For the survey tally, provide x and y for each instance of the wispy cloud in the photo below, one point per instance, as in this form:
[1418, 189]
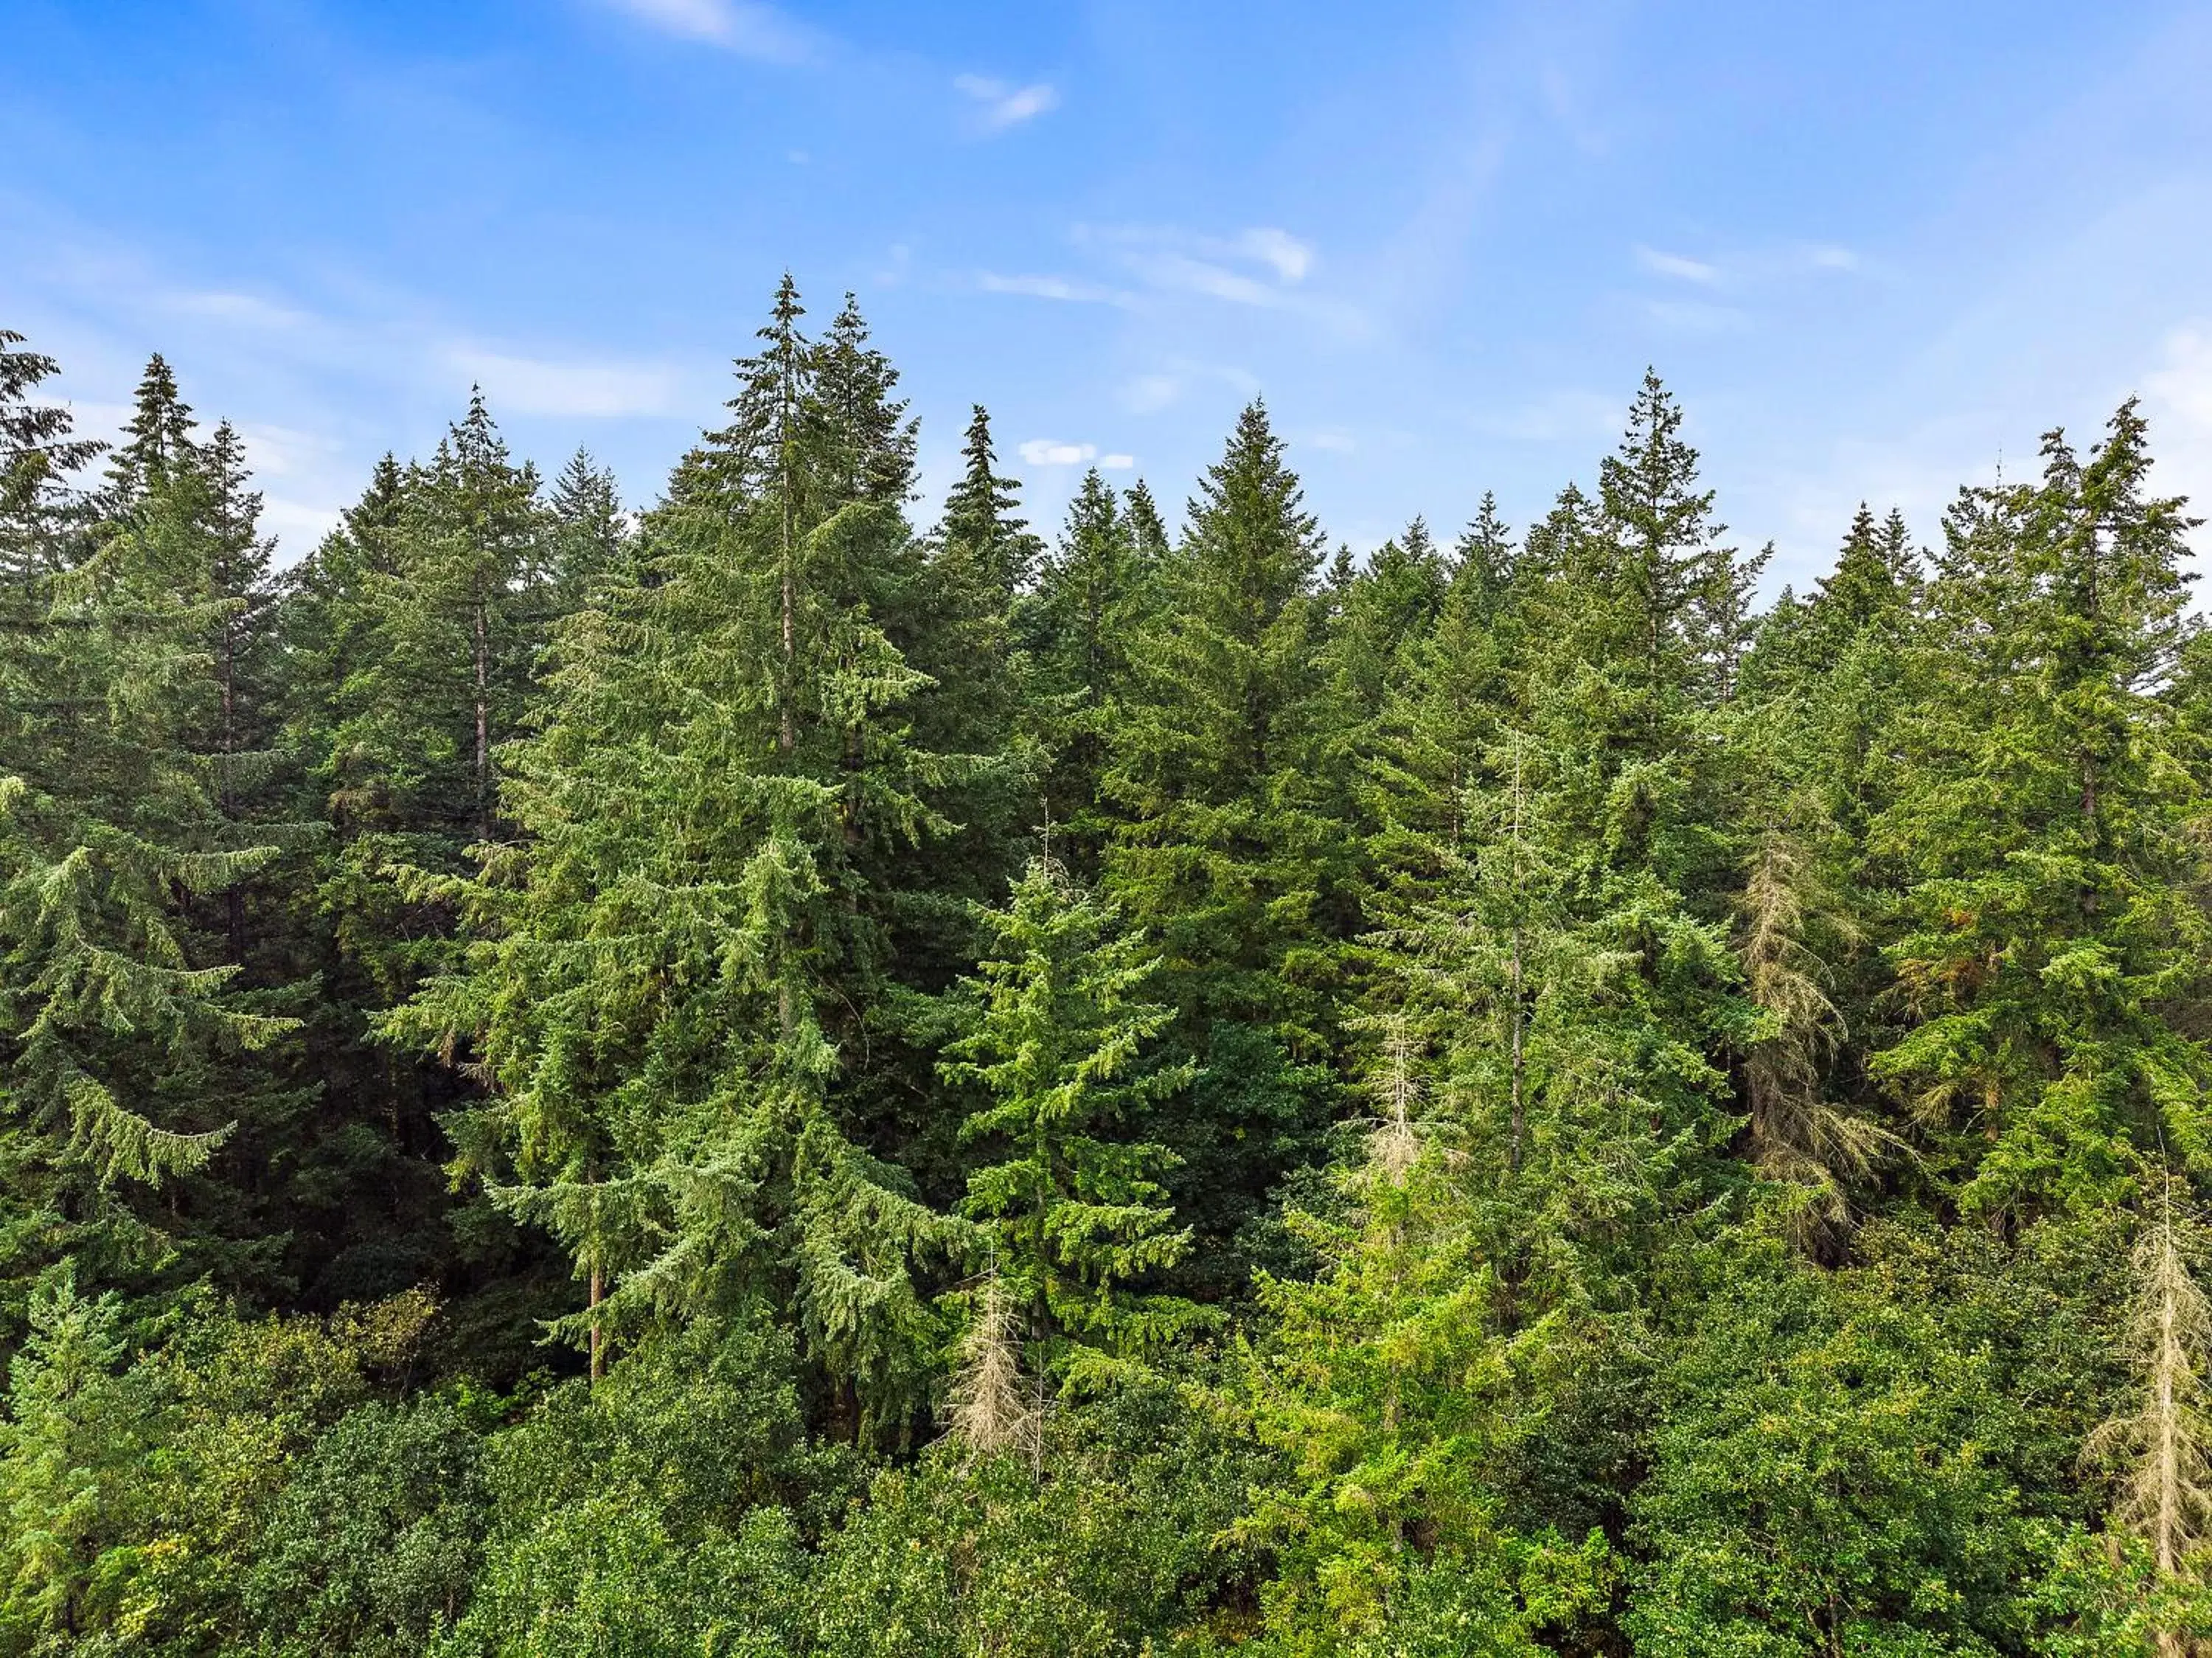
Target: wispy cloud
[598, 390]
[1117, 463]
[1048, 451]
[1000, 104]
[744, 26]
[1162, 388]
[283, 452]
[1676, 265]
[2183, 382]
[1150, 393]
[1743, 267]
[2179, 393]
[1262, 267]
[1290, 257]
[1066, 289]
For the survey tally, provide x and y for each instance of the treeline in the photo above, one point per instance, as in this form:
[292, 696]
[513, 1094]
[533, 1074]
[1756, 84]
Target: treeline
[742, 1078]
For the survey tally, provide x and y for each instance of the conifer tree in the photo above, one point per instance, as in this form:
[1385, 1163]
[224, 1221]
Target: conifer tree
[2040, 818]
[2163, 1447]
[1054, 1034]
[1224, 851]
[1081, 632]
[1383, 614]
[133, 1049]
[589, 530]
[979, 518]
[157, 438]
[667, 977]
[1229, 853]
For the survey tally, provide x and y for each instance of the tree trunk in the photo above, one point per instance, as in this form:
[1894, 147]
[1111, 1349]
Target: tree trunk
[483, 714]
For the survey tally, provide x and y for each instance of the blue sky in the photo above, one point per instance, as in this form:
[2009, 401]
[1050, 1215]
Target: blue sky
[1876, 248]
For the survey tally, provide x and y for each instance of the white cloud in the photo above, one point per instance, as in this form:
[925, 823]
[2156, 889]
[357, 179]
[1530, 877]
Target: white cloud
[1333, 438]
[1258, 267]
[1002, 105]
[592, 390]
[745, 26]
[1676, 266]
[1044, 452]
[1059, 288]
[1117, 463]
[2183, 384]
[2177, 396]
[281, 452]
[1181, 271]
[297, 524]
[1290, 257]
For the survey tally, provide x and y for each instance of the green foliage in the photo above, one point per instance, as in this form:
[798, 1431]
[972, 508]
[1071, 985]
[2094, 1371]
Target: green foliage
[653, 1514]
[1486, 1100]
[1056, 1039]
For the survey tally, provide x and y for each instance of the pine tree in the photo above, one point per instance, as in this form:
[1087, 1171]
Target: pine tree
[1148, 531]
[1224, 852]
[1055, 1035]
[134, 1048]
[1683, 589]
[979, 518]
[1799, 1137]
[590, 530]
[665, 979]
[2039, 820]
[1229, 853]
[1081, 633]
[2164, 1447]
[158, 438]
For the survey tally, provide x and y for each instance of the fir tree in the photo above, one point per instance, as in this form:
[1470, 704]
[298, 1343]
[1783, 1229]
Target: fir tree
[1229, 852]
[2040, 818]
[665, 980]
[1082, 630]
[133, 1048]
[1055, 1035]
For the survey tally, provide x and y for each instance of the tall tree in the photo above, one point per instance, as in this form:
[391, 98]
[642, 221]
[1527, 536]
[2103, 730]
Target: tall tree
[1055, 1034]
[133, 1048]
[2040, 819]
[1229, 852]
[1081, 631]
[667, 977]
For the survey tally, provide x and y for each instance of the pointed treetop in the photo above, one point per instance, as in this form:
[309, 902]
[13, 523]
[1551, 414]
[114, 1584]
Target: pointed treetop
[1876, 572]
[1148, 531]
[980, 512]
[1249, 526]
[158, 436]
[1485, 559]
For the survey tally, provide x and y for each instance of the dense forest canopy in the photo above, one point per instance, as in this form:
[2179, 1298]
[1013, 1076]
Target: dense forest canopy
[751, 1077]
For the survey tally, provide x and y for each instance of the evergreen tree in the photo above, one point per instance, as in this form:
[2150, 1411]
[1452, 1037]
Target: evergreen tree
[134, 1047]
[1083, 629]
[1054, 1034]
[157, 438]
[2039, 819]
[1228, 853]
[590, 530]
[666, 978]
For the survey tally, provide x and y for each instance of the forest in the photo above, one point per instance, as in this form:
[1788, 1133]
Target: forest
[755, 1077]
